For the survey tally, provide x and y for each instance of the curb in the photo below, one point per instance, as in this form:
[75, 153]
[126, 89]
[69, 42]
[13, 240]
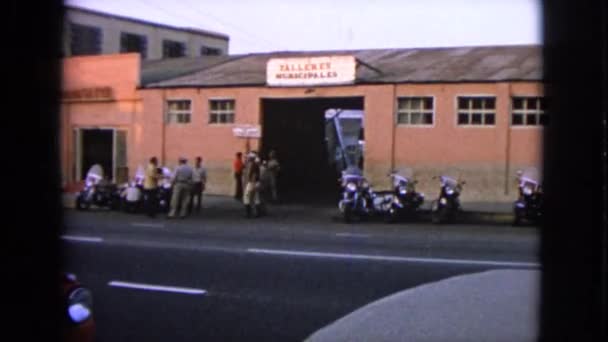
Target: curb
[465, 217]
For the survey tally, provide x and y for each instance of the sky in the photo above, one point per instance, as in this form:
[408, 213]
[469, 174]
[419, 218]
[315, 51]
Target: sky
[305, 25]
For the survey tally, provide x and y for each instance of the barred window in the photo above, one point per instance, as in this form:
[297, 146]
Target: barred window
[210, 51]
[415, 111]
[179, 111]
[477, 111]
[528, 111]
[172, 49]
[85, 40]
[221, 111]
[131, 42]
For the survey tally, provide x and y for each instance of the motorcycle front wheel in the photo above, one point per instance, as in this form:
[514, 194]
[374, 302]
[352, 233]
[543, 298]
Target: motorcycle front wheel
[81, 204]
[347, 214]
[391, 215]
[438, 214]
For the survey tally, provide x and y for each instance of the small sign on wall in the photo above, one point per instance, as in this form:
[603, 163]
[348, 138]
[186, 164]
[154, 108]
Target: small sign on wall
[308, 71]
[88, 94]
[247, 131]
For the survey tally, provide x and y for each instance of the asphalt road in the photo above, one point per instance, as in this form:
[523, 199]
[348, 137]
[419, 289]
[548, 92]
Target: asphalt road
[280, 278]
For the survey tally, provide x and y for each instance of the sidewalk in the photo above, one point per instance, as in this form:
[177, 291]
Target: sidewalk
[501, 212]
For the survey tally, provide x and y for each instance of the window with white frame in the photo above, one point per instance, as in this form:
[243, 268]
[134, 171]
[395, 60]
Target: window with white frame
[528, 111]
[415, 110]
[179, 111]
[476, 111]
[221, 111]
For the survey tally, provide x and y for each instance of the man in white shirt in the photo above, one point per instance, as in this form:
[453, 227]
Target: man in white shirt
[199, 180]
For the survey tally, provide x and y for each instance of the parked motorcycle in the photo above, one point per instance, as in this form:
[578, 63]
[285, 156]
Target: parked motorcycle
[131, 194]
[405, 200]
[528, 207]
[447, 205]
[97, 191]
[356, 195]
[165, 190]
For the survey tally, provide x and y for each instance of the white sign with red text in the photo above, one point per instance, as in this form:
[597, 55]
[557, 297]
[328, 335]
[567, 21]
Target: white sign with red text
[308, 71]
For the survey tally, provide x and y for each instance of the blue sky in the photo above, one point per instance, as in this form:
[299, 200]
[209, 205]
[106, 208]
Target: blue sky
[272, 25]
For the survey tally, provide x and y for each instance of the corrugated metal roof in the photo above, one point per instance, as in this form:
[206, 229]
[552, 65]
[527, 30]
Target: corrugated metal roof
[413, 65]
[169, 68]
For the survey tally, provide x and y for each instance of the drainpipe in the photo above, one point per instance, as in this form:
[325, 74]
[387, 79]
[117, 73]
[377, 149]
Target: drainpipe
[164, 124]
[394, 127]
[508, 147]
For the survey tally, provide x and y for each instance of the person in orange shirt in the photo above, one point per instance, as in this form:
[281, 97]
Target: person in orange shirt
[237, 168]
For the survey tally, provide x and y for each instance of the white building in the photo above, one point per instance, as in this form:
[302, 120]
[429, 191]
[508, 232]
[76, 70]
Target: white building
[88, 32]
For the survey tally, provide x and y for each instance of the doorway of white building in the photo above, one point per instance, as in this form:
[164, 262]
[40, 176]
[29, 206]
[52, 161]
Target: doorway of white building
[103, 146]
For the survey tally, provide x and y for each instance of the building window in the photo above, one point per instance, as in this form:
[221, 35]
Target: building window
[178, 111]
[210, 51]
[172, 49]
[221, 111]
[415, 111]
[131, 42]
[476, 111]
[528, 111]
[85, 40]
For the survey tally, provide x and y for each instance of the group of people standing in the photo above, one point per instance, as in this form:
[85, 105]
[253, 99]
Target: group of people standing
[256, 183]
[255, 180]
[188, 185]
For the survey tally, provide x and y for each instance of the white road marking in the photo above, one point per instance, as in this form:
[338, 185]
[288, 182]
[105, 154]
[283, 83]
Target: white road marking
[151, 225]
[392, 258]
[147, 287]
[353, 235]
[82, 238]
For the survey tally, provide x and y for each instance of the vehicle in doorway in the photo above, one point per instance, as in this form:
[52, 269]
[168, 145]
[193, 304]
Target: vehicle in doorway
[77, 310]
[98, 191]
[447, 205]
[405, 201]
[529, 206]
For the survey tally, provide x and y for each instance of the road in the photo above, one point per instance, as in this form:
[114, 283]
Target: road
[213, 278]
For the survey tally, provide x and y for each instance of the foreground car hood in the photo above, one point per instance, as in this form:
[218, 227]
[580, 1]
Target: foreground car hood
[499, 305]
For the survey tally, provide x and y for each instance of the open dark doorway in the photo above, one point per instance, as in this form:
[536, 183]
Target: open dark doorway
[97, 148]
[296, 130]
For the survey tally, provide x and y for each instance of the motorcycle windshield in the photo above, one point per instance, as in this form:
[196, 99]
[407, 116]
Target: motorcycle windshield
[95, 172]
[167, 172]
[352, 174]
[140, 173]
[403, 176]
[529, 175]
[449, 181]
[353, 171]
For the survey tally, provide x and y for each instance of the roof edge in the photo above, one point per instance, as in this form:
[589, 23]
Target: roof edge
[264, 85]
[146, 22]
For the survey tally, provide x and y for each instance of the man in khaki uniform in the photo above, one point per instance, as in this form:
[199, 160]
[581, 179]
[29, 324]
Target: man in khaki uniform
[182, 188]
[150, 187]
[252, 183]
